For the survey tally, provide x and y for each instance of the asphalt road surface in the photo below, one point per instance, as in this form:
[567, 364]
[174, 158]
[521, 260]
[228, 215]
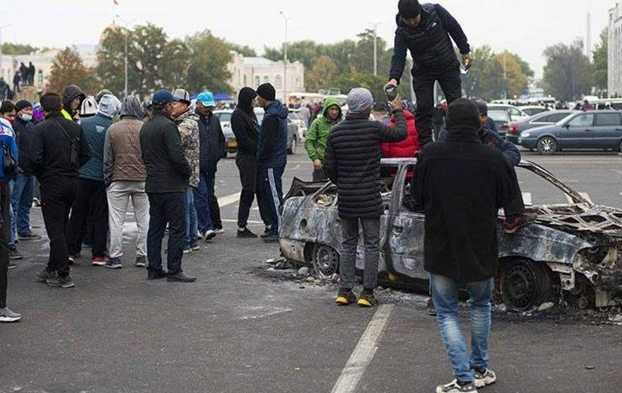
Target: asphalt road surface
[245, 328]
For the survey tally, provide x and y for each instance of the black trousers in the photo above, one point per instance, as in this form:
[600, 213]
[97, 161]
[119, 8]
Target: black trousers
[247, 166]
[214, 211]
[91, 195]
[4, 250]
[168, 207]
[5, 207]
[57, 196]
[423, 84]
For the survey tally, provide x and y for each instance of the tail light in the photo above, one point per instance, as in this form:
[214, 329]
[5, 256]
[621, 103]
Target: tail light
[512, 128]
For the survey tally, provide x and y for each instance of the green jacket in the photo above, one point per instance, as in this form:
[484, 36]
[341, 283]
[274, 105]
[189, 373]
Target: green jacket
[315, 142]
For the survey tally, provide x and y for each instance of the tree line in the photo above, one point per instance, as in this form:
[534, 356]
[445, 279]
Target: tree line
[200, 62]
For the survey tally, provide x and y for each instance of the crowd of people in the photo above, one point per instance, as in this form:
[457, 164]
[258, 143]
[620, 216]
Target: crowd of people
[91, 155]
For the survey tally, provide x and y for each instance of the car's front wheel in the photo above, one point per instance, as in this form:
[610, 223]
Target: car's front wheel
[524, 284]
[547, 145]
[325, 261]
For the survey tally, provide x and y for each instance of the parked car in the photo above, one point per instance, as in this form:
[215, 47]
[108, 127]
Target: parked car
[537, 120]
[501, 119]
[581, 130]
[293, 138]
[302, 125]
[533, 109]
[514, 112]
[224, 115]
[571, 250]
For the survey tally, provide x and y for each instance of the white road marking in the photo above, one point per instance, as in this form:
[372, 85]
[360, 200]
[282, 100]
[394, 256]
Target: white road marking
[618, 172]
[228, 199]
[364, 351]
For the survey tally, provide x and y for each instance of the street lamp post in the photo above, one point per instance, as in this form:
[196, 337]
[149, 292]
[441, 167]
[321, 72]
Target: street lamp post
[125, 65]
[285, 19]
[375, 47]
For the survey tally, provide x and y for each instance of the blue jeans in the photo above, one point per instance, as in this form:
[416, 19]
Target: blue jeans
[21, 201]
[445, 296]
[202, 195]
[166, 208]
[191, 220]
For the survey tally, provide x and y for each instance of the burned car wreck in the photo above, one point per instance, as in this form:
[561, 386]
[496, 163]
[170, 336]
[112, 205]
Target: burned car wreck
[573, 250]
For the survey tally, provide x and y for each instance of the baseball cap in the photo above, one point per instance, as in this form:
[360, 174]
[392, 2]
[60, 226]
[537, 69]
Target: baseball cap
[162, 96]
[181, 95]
[206, 98]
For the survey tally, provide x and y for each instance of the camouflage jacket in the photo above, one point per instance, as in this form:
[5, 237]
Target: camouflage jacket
[189, 131]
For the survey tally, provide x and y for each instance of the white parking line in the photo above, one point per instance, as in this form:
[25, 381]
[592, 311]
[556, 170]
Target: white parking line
[364, 351]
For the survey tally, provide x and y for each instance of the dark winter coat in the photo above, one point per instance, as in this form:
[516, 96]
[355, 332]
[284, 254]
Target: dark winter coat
[51, 149]
[244, 124]
[163, 155]
[24, 131]
[462, 184]
[272, 143]
[211, 143]
[429, 42]
[95, 129]
[352, 162]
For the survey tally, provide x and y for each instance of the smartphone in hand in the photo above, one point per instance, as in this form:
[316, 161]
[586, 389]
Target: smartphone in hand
[391, 92]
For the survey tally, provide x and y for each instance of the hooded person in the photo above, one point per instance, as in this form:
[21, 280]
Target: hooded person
[124, 176]
[88, 107]
[100, 94]
[352, 162]
[72, 99]
[91, 194]
[246, 130]
[271, 158]
[315, 142]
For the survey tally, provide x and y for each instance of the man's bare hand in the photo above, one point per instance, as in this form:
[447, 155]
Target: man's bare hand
[317, 165]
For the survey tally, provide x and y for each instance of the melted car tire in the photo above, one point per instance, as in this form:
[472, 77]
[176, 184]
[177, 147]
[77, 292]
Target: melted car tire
[524, 284]
[325, 261]
[547, 145]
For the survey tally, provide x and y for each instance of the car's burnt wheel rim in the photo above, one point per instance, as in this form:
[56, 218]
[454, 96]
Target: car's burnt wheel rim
[547, 145]
[325, 261]
[524, 284]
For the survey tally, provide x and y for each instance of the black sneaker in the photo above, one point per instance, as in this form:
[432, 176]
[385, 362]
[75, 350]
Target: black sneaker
[141, 261]
[44, 275]
[345, 296]
[12, 264]
[519, 222]
[61, 282]
[209, 234]
[114, 263]
[457, 387]
[14, 254]
[429, 308]
[271, 238]
[484, 377]
[367, 299]
[156, 274]
[180, 277]
[246, 233]
[30, 236]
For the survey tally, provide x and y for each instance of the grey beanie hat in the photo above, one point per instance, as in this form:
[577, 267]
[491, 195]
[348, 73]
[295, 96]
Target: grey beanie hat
[359, 99]
[131, 106]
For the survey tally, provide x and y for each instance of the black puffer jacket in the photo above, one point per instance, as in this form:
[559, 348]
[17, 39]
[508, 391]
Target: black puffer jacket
[352, 162]
[25, 130]
[429, 42]
[163, 155]
[211, 143]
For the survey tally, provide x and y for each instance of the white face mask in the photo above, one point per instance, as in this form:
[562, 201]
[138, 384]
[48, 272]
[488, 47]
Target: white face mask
[26, 117]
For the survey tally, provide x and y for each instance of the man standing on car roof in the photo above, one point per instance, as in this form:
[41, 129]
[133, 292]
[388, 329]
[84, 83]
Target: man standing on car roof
[426, 31]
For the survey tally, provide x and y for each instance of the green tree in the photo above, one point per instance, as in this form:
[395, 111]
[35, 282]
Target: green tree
[67, 69]
[208, 69]
[346, 82]
[567, 71]
[321, 75]
[9, 48]
[153, 61]
[244, 50]
[599, 63]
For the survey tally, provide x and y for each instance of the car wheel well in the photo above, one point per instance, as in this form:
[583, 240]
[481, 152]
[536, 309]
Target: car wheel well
[522, 283]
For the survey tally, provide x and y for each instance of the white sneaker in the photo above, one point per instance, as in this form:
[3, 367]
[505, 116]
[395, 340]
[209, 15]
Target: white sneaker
[219, 231]
[7, 315]
[210, 234]
[486, 378]
[455, 387]
[187, 250]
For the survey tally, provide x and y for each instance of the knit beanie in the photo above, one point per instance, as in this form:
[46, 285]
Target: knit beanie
[359, 99]
[266, 91]
[463, 113]
[409, 8]
[21, 104]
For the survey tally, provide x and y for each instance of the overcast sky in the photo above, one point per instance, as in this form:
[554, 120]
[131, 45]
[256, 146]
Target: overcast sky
[525, 27]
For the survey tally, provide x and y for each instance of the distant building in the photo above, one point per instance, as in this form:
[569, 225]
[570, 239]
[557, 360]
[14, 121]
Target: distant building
[253, 71]
[614, 60]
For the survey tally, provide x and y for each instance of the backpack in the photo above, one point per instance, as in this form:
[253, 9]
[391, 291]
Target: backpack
[8, 161]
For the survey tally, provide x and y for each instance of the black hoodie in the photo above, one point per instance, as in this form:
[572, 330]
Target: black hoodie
[244, 123]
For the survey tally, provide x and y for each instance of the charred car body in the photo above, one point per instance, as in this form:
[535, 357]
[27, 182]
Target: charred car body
[574, 248]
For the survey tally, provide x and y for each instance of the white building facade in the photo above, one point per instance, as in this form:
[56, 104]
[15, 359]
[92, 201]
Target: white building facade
[253, 71]
[614, 60]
